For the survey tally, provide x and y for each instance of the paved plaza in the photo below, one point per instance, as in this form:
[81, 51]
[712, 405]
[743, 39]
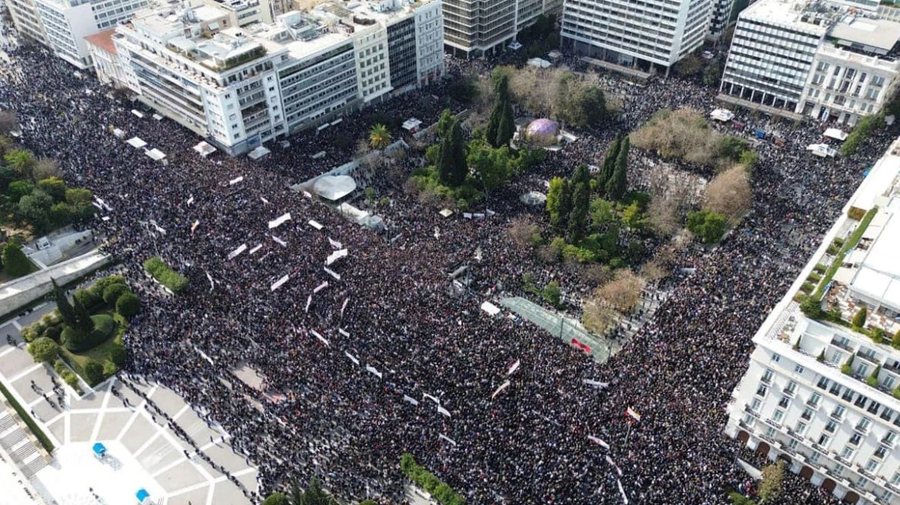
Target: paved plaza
[142, 451]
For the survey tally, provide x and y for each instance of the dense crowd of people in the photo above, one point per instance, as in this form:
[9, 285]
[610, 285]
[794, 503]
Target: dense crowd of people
[384, 360]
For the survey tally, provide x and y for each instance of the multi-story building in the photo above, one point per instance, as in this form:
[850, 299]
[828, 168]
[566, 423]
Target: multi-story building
[650, 34]
[62, 25]
[242, 86]
[828, 61]
[475, 28]
[822, 395]
[719, 19]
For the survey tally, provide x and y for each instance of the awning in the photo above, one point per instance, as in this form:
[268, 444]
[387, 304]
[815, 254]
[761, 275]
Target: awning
[204, 148]
[490, 308]
[136, 142]
[334, 187]
[258, 153]
[155, 154]
[446, 212]
[142, 495]
[835, 133]
[98, 449]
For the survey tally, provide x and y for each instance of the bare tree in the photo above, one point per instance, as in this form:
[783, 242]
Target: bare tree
[683, 134]
[729, 194]
[597, 318]
[522, 232]
[43, 168]
[622, 293]
[8, 121]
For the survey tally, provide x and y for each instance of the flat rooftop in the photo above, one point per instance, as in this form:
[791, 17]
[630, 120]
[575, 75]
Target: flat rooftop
[789, 13]
[878, 275]
[103, 40]
[877, 33]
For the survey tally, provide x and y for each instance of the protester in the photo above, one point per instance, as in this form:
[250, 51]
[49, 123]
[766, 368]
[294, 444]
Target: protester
[384, 360]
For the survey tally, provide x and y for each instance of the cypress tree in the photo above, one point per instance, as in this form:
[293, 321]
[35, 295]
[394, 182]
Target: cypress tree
[62, 303]
[83, 320]
[618, 183]
[501, 106]
[507, 126]
[578, 217]
[565, 205]
[452, 161]
[609, 163]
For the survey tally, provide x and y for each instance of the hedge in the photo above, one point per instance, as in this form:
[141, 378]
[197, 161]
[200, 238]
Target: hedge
[164, 274]
[440, 491]
[850, 243]
[76, 341]
[38, 432]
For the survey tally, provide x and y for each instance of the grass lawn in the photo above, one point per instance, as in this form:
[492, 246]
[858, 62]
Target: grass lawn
[100, 353]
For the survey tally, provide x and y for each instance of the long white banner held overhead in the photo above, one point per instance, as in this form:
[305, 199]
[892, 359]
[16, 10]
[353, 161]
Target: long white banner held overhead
[236, 180]
[500, 389]
[321, 338]
[308, 302]
[352, 358]
[343, 332]
[336, 255]
[373, 371]
[235, 253]
[190, 200]
[334, 243]
[315, 224]
[278, 241]
[515, 366]
[344, 305]
[212, 285]
[257, 248]
[432, 398]
[601, 385]
[448, 439]
[622, 491]
[320, 287]
[264, 200]
[612, 464]
[598, 441]
[280, 220]
[442, 410]
[280, 282]
[332, 273]
[194, 226]
[410, 400]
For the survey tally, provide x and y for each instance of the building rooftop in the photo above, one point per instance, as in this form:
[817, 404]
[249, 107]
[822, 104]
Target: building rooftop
[804, 15]
[878, 275]
[103, 40]
[880, 34]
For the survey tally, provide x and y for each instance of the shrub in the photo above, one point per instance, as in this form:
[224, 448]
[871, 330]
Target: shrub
[112, 293]
[128, 304]
[807, 287]
[53, 332]
[276, 499]
[15, 262]
[43, 350]
[847, 367]
[104, 282]
[440, 491]
[164, 274]
[895, 340]
[73, 338]
[28, 334]
[877, 335]
[59, 366]
[859, 320]
[71, 379]
[872, 380]
[551, 293]
[109, 369]
[89, 298]
[118, 355]
[707, 226]
[93, 372]
[77, 340]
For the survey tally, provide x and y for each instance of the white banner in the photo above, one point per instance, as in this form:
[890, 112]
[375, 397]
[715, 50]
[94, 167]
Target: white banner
[514, 367]
[158, 227]
[343, 332]
[442, 410]
[190, 200]
[410, 400]
[264, 200]
[601, 385]
[307, 194]
[432, 398]
[236, 180]
[315, 224]
[622, 491]
[257, 248]
[235, 253]
[278, 241]
[280, 282]
[352, 358]
[212, 285]
[332, 273]
[344, 305]
[598, 441]
[448, 439]
[320, 337]
[308, 302]
[373, 371]
[280, 220]
[194, 226]
[334, 243]
[336, 255]
[320, 287]
[499, 389]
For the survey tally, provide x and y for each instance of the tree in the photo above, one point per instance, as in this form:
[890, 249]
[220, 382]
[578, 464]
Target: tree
[502, 107]
[44, 168]
[895, 340]
[772, 482]
[622, 293]
[379, 136]
[707, 226]
[507, 126]
[15, 262]
[8, 122]
[17, 189]
[490, 165]
[593, 102]
[559, 202]
[581, 201]
[688, 66]
[93, 372]
[20, 160]
[276, 499]
[83, 321]
[618, 183]
[452, 161]
[859, 319]
[315, 495]
[43, 350]
[53, 186]
[128, 304]
[552, 293]
[63, 305]
[35, 209]
[609, 163]
[729, 194]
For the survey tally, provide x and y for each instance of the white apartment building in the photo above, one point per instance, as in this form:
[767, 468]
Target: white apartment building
[647, 34]
[824, 60]
[478, 27]
[823, 396]
[62, 25]
[242, 86]
[719, 18]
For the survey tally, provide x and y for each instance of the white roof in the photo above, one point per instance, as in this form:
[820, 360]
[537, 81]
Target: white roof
[835, 133]
[879, 274]
[136, 142]
[334, 187]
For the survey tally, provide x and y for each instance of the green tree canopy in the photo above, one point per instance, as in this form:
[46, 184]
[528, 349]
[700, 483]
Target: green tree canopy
[559, 202]
[53, 186]
[618, 183]
[35, 209]
[20, 160]
[15, 262]
[490, 165]
[276, 499]
[609, 163]
[452, 162]
[379, 136]
[43, 350]
[63, 305]
[859, 319]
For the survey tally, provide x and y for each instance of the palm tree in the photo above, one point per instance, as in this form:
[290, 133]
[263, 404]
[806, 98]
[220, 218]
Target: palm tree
[379, 136]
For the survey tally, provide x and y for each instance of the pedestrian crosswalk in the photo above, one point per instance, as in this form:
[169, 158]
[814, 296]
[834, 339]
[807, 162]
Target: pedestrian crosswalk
[15, 442]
